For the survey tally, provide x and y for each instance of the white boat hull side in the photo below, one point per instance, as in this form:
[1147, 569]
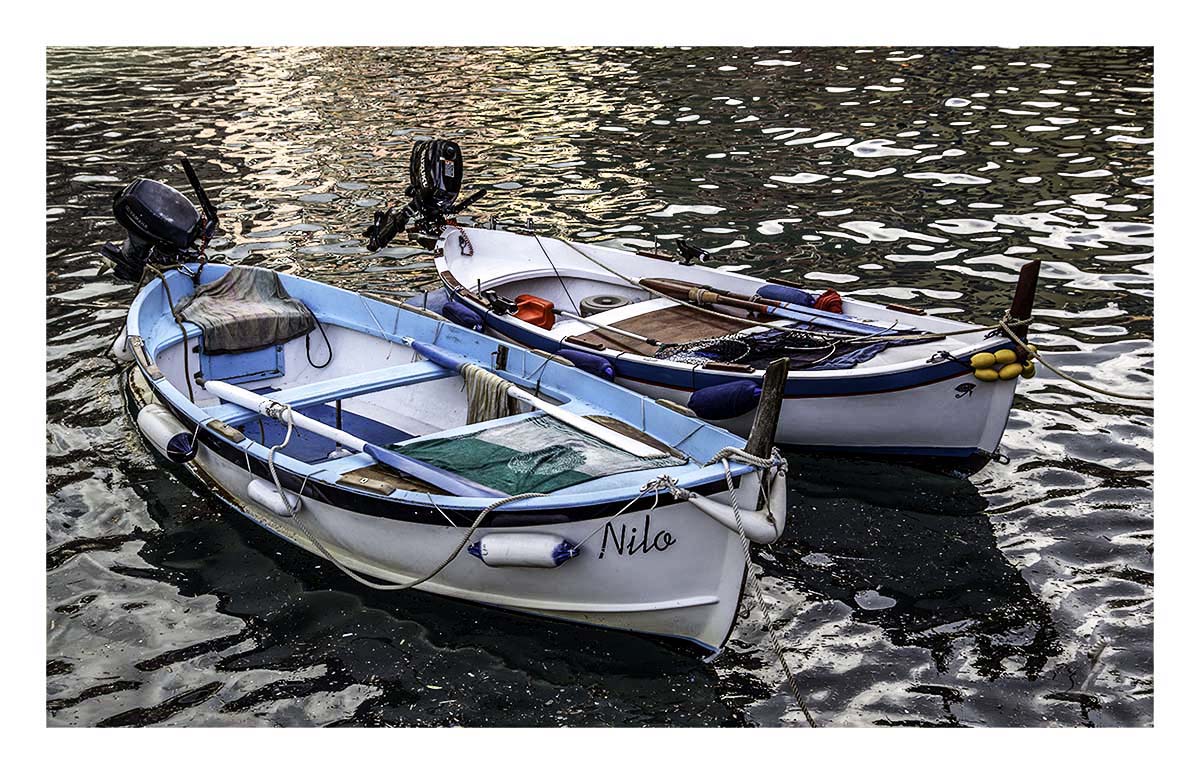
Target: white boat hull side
[942, 419]
[932, 419]
[681, 580]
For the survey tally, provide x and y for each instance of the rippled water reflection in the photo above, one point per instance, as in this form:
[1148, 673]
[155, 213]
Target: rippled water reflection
[1022, 597]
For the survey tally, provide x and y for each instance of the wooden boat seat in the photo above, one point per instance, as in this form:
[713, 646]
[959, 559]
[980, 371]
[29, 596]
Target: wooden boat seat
[338, 388]
[672, 325]
[381, 479]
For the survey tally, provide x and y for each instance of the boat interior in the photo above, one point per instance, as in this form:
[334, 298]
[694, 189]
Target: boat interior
[362, 378]
[649, 316]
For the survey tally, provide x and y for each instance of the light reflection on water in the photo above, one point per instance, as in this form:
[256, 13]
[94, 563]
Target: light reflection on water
[926, 176]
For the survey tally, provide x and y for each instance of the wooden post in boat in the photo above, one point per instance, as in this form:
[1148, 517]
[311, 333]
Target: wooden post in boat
[762, 433]
[1022, 304]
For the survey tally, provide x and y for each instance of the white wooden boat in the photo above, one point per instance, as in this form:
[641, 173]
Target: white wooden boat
[865, 378]
[921, 396]
[355, 439]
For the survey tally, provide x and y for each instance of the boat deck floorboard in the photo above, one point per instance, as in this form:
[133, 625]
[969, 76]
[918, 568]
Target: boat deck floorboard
[673, 325]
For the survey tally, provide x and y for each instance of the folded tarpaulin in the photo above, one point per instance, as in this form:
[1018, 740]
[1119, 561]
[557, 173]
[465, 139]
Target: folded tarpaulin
[246, 309]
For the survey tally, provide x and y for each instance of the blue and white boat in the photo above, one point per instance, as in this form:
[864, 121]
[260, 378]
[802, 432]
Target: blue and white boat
[412, 452]
[882, 379]
[868, 378]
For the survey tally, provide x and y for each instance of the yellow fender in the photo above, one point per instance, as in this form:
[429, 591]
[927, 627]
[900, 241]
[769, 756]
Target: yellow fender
[982, 360]
[987, 374]
[1011, 371]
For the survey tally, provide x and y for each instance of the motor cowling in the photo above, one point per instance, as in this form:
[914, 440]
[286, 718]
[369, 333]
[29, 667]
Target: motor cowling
[161, 224]
[435, 175]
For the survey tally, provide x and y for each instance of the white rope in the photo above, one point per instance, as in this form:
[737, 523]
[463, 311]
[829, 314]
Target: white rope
[1004, 325]
[756, 588]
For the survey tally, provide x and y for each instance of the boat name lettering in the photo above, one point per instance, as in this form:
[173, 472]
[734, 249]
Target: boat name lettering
[626, 540]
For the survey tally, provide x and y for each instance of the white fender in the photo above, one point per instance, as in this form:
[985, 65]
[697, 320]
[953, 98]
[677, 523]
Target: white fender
[120, 346]
[265, 494]
[762, 526]
[165, 433]
[522, 549]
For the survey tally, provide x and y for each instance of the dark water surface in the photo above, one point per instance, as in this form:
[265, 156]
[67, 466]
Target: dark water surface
[927, 176]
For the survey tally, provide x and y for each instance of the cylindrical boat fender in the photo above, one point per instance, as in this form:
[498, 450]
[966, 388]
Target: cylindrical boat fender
[265, 494]
[762, 526]
[166, 434]
[523, 549]
[120, 346]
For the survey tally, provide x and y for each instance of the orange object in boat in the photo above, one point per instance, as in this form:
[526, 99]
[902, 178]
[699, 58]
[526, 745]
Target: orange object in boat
[535, 311]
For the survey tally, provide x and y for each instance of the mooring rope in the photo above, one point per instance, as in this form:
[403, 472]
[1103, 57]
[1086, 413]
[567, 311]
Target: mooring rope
[756, 588]
[1034, 353]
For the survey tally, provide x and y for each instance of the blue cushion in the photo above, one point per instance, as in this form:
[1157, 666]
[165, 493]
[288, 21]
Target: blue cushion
[460, 313]
[725, 401]
[786, 295]
[593, 364]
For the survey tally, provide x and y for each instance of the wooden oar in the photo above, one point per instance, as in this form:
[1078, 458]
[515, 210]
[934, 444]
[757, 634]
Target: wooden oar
[442, 479]
[704, 295]
[448, 359]
[609, 328]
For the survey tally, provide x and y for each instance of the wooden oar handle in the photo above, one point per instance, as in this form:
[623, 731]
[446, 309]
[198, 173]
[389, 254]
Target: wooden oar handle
[698, 294]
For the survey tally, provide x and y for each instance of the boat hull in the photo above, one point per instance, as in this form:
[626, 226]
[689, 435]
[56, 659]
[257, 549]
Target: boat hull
[669, 571]
[938, 413]
[920, 401]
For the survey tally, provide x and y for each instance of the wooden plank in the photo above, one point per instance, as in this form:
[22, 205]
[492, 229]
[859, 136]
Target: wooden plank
[673, 324]
[616, 425]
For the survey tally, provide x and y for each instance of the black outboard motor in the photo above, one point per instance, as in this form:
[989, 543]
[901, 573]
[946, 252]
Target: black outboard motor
[435, 173]
[162, 226]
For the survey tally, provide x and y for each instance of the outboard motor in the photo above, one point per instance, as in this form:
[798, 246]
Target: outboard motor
[162, 226]
[435, 173]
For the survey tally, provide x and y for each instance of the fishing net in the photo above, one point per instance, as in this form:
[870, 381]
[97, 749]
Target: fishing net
[804, 349]
[535, 454]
